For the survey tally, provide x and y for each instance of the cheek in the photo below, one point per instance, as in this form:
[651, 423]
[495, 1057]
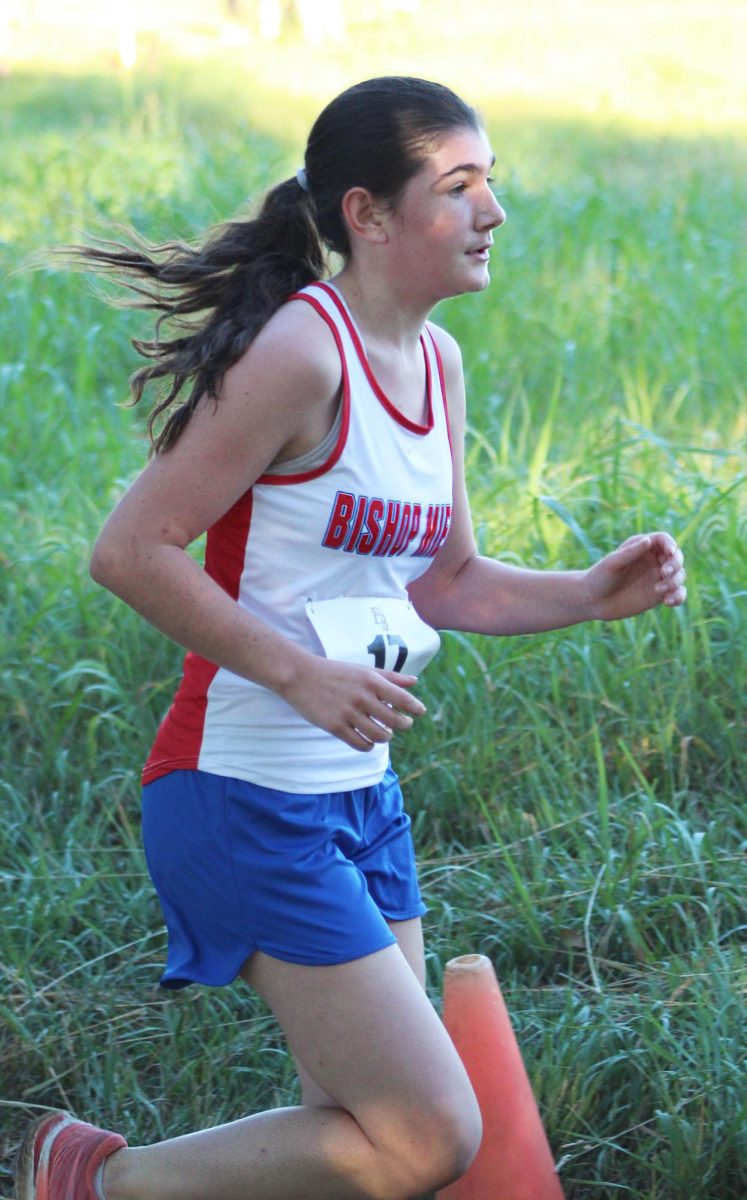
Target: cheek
[427, 228]
[446, 227]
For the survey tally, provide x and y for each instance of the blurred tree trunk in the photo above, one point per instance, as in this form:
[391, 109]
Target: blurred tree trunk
[315, 20]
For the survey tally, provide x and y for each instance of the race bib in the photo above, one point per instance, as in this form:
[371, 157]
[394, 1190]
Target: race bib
[374, 632]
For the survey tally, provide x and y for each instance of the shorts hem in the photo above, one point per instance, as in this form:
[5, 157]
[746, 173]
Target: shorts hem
[335, 960]
[177, 982]
[411, 915]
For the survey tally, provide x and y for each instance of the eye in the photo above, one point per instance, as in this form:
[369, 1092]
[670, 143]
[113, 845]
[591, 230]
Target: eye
[458, 189]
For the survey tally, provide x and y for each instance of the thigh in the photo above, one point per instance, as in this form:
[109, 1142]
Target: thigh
[409, 935]
[367, 1036]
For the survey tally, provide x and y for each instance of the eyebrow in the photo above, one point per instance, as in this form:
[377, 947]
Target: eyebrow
[472, 168]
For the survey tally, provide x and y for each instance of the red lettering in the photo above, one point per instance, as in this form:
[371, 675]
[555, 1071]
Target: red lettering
[339, 521]
[369, 525]
[391, 527]
[409, 529]
[446, 528]
[357, 524]
[438, 522]
[370, 535]
[431, 530]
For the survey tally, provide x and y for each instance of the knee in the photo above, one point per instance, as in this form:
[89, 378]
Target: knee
[434, 1148]
[451, 1145]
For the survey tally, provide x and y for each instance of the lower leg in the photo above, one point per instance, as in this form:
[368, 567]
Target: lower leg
[366, 1036]
[299, 1152]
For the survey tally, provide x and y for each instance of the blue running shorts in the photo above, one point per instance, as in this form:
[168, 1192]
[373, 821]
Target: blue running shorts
[309, 879]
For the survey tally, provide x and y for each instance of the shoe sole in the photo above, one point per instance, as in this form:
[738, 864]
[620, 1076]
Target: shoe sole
[25, 1184]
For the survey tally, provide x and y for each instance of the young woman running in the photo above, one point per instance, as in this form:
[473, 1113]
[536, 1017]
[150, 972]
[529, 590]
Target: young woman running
[321, 447]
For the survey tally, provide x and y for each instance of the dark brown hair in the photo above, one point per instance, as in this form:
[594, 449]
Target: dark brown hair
[218, 295]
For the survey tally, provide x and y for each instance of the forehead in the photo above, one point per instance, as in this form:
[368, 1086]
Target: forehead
[459, 147]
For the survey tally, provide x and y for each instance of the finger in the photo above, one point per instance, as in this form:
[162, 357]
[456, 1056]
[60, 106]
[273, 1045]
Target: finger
[671, 579]
[356, 740]
[676, 598]
[372, 730]
[673, 564]
[392, 718]
[363, 734]
[406, 681]
[664, 545]
[390, 693]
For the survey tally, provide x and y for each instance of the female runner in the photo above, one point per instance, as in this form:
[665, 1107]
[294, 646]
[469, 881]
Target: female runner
[321, 447]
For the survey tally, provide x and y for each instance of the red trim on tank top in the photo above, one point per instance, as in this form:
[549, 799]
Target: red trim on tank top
[339, 446]
[179, 739]
[381, 395]
[442, 380]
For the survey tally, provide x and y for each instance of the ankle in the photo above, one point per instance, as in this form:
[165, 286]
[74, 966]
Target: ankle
[116, 1175]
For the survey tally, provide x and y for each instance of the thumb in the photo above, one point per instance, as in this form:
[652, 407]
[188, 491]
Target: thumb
[629, 552]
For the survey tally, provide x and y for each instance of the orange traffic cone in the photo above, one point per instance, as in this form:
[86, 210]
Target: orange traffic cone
[514, 1161]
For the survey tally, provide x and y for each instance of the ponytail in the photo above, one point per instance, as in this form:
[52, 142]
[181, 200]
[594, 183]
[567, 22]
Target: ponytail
[374, 135]
[219, 294]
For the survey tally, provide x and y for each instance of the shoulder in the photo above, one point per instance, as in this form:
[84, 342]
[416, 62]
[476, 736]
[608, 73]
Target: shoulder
[280, 389]
[289, 370]
[296, 343]
[448, 347]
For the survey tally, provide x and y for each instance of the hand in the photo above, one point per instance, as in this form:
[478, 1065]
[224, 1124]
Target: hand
[359, 705]
[644, 571]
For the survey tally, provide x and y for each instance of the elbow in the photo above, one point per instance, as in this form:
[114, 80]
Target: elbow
[125, 563]
[106, 565]
[99, 566]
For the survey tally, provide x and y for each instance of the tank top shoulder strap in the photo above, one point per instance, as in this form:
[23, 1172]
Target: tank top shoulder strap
[325, 301]
[329, 304]
[440, 397]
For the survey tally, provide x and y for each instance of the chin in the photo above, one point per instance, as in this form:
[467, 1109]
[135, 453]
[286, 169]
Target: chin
[478, 283]
[474, 284]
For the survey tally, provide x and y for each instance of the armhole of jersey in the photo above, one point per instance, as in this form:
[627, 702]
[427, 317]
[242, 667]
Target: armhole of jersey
[339, 446]
[442, 381]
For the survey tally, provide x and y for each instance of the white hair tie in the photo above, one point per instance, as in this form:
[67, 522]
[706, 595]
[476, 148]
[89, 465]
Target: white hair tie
[302, 180]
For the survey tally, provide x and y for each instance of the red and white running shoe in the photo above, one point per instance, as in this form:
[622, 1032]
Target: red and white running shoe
[59, 1158]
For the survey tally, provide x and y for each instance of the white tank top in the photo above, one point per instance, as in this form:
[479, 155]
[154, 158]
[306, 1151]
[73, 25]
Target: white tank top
[366, 522]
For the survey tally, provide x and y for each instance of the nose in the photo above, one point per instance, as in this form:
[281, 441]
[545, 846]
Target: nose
[495, 215]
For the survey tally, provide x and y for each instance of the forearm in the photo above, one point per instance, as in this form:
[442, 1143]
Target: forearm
[358, 705]
[171, 591]
[486, 596]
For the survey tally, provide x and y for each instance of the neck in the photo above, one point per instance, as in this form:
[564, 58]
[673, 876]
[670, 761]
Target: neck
[382, 310]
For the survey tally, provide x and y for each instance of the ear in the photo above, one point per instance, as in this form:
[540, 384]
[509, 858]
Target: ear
[363, 216]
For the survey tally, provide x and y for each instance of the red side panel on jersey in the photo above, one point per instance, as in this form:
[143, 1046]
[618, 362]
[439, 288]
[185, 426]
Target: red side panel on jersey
[179, 738]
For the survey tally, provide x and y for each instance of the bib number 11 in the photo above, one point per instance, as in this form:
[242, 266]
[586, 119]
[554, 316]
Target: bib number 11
[384, 631]
[383, 648]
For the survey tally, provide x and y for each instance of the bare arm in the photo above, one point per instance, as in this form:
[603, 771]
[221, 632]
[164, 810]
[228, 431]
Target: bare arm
[463, 590]
[278, 397]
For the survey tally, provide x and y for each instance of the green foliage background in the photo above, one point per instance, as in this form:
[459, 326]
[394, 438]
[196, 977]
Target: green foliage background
[578, 798]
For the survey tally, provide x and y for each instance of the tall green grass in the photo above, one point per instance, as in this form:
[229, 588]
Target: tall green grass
[578, 798]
